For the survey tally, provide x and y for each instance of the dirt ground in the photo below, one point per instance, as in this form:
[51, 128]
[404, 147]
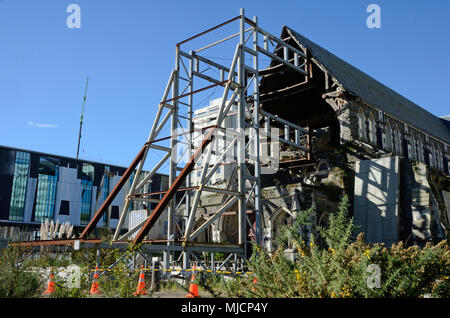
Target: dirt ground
[179, 293]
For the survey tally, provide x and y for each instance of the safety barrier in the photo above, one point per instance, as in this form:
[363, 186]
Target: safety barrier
[95, 288]
[181, 270]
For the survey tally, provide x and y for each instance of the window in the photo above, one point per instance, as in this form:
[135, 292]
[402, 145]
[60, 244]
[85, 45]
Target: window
[432, 156]
[415, 147]
[362, 124]
[438, 158]
[46, 188]
[388, 137]
[412, 149]
[64, 208]
[115, 212]
[420, 150]
[446, 164]
[372, 129]
[19, 186]
[397, 141]
[105, 189]
[87, 178]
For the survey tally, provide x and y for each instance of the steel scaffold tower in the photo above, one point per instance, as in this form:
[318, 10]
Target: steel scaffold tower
[251, 147]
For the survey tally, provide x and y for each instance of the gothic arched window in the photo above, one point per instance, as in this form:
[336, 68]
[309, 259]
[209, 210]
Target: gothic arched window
[388, 137]
[372, 129]
[362, 124]
[397, 141]
[412, 140]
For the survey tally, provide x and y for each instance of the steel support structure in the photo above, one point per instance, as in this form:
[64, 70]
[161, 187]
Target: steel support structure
[246, 144]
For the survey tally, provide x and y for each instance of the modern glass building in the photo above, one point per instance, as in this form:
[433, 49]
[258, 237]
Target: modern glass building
[36, 186]
[19, 186]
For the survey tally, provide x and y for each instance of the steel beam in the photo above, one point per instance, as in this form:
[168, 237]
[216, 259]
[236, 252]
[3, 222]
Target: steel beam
[212, 218]
[172, 190]
[113, 194]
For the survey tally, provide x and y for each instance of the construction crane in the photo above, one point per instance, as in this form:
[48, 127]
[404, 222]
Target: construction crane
[81, 119]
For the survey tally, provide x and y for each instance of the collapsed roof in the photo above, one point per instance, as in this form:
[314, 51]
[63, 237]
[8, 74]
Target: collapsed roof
[371, 91]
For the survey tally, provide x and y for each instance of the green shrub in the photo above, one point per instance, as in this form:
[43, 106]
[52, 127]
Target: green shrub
[119, 282]
[16, 276]
[340, 267]
[62, 285]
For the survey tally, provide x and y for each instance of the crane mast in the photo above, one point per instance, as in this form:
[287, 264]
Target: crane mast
[81, 119]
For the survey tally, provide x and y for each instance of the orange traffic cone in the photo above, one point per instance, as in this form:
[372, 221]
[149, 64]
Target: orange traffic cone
[94, 287]
[51, 284]
[255, 281]
[140, 290]
[193, 288]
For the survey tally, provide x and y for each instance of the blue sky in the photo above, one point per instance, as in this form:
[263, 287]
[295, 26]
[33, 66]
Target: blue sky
[127, 50]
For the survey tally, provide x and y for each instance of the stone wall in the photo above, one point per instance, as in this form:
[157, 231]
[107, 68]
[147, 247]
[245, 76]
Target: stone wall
[376, 198]
[393, 199]
[420, 208]
[348, 120]
[440, 203]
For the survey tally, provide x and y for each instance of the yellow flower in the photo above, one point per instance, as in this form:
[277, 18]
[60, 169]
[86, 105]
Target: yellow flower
[367, 253]
[332, 250]
[333, 295]
[345, 292]
[297, 274]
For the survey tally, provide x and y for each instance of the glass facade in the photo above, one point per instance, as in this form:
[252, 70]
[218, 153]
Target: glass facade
[131, 182]
[46, 188]
[87, 179]
[105, 190]
[19, 187]
[36, 186]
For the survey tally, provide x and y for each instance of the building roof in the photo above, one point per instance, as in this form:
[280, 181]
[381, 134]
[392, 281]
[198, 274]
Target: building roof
[446, 120]
[373, 92]
[65, 157]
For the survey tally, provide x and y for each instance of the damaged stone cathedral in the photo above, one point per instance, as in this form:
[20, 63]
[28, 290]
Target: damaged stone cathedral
[387, 154]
